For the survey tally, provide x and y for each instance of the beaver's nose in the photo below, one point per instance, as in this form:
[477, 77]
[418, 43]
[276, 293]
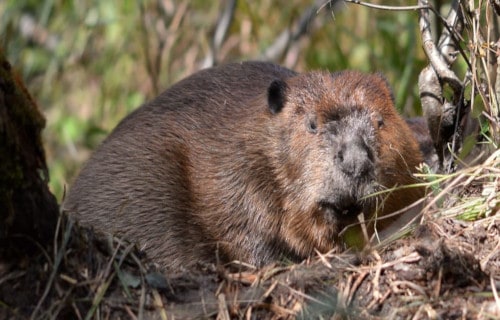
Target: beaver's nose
[355, 157]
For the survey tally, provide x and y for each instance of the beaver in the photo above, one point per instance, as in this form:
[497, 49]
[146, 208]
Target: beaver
[249, 161]
[418, 125]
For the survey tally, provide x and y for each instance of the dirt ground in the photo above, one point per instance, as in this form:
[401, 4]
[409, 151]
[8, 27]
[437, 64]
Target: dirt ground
[445, 267]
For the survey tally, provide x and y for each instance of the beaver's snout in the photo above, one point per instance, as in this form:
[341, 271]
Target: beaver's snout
[355, 158]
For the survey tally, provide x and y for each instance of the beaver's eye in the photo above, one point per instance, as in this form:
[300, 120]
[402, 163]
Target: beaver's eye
[311, 126]
[379, 120]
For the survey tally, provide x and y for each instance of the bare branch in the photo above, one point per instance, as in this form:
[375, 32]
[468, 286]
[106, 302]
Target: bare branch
[291, 35]
[444, 118]
[453, 26]
[443, 56]
[150, 68]
[389, 8]
[220, 33]
[224, 23]
[159, 31]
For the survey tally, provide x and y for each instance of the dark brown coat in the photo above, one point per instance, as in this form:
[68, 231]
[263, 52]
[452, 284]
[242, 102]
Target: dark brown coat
[249, 160]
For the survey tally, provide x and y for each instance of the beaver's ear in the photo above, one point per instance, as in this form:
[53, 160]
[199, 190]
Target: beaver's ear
[276, 95]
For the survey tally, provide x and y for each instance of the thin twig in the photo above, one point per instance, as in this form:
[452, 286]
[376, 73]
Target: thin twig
[57, 262]
[389, 8]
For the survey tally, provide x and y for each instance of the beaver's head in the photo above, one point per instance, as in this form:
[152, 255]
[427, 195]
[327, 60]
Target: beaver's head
[341, 140]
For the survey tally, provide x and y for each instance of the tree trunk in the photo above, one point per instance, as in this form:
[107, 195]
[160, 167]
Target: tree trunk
[28, 211]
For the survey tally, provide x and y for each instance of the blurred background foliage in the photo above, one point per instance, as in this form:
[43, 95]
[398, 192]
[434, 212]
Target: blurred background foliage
[89, 63]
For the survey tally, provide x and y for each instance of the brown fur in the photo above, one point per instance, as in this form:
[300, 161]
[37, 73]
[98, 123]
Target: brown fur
[244, 160]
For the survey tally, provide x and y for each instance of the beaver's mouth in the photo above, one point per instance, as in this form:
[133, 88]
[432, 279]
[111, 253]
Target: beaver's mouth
[341, 211]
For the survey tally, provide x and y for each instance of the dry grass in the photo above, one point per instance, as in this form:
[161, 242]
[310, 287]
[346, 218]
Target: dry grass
[448, 268]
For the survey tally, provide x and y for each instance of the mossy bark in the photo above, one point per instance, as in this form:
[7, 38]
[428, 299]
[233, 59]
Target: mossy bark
[28, 210]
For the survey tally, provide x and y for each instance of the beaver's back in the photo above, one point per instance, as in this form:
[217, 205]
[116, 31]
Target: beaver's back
[138, 182]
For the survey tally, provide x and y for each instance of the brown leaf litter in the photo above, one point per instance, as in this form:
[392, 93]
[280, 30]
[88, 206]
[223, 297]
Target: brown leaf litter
[447, 268]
